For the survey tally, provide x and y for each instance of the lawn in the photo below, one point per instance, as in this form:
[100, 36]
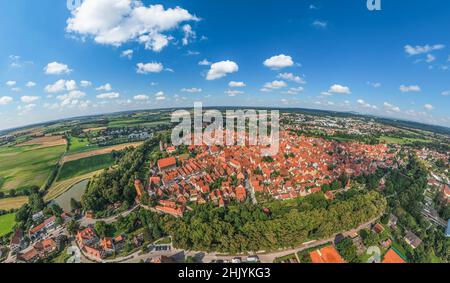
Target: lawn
[25, 166]
[395, 140]
[83, 166]
[7, 223]
[80, 145]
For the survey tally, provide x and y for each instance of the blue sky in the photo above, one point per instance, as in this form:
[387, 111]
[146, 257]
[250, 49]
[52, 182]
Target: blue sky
[113, 55]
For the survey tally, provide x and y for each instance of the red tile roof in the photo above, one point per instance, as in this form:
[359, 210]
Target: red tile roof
[327, 254]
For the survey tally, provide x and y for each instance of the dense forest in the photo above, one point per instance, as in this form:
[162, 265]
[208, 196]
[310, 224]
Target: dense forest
[117, 184]
[251, 228]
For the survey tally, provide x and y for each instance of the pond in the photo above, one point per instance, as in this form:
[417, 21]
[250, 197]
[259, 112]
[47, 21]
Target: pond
[75, 192]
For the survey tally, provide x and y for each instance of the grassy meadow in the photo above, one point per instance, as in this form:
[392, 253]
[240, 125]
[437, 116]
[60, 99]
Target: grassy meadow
[83, 166]
[7, 223]
[25, 166]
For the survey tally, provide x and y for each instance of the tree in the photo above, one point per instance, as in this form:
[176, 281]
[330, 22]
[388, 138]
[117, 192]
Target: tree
[74, 205]
[36, 203]
[347, 250]
[73, 227]
[101, 228]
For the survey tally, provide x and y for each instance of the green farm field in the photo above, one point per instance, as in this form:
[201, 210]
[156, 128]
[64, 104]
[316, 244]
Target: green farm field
[7, 222]
[83, 166]
[78, 145]
[25, 166]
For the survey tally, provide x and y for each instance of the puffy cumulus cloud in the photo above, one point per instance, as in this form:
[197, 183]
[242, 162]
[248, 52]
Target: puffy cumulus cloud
[11, 83]
[204, 62]
[339, 89]
[232, 93]
[61, 85]
[320, 24]
[236, 84]
[291, 77]
[141, 97]
[105, 87]
[160, 96]
[364, 104]
[192, 90]
[279, 62]
[221, 69]
[108, 95]
[390, 107]
[85, 83]
[5, 100]
[151, 67]
[71, 98]
[428, 107]
[29, 99]
[127, 53]
[418, 49]
[30, 84]
[273, 85]
[410, 88]
[188, 34]
[115, 22]
[56, 68]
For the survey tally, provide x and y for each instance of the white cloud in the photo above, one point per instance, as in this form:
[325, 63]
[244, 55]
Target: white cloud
[141, 97]
[5, 100]
[236, 84]
[85, 83]
[430, 58]
[366, 105]
[204, 62]
[446, 93]
[193, 53]
[152, 67]
[294, 90]
[320, 24]
[25, 109]
[192, 90]
[16, 89]
[160, 96]
[375, 85]
[428, 107]
[30, 84]
[291, 77]
[233, 92]
[71, 98]
[105, 87]
[29, 99]
[410, 88]
[391, 108]
[115, 22]
[279, 62]
[61, 85]
[221, 69]
[56, 68]
[127, 53]
[339, 89]
[11, 83]
[108, 95]
[418, 49]
[274, 85]
[188, 34]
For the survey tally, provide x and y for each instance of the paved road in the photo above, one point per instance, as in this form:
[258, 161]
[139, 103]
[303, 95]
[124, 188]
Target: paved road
[86, 222]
